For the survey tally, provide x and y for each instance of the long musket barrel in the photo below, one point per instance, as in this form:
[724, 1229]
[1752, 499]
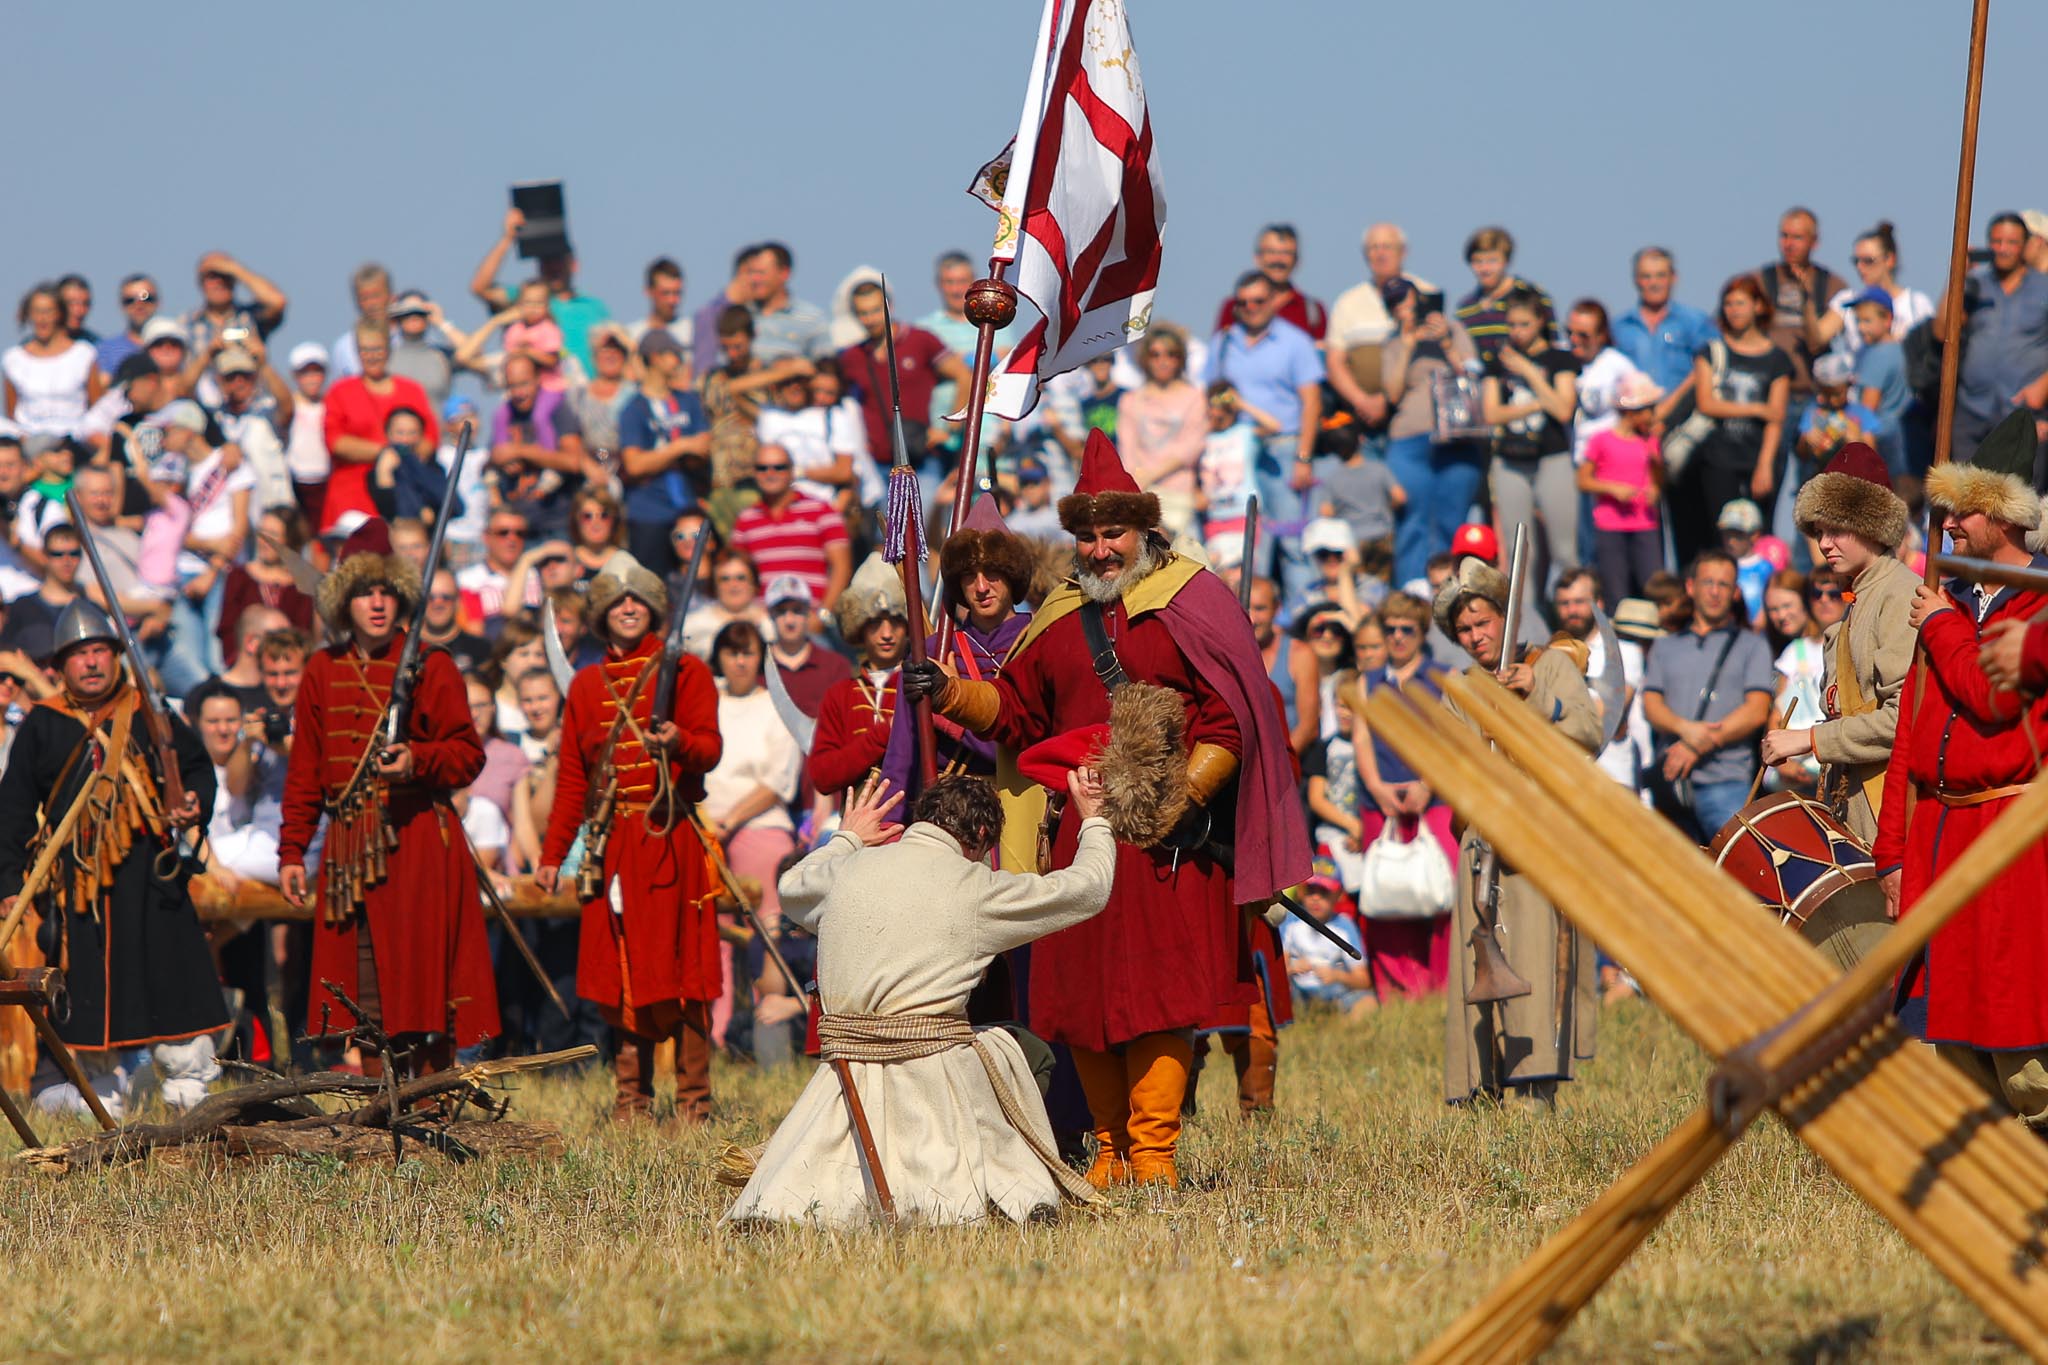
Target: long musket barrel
[1989, 571]
[672, 642]
[398, 721]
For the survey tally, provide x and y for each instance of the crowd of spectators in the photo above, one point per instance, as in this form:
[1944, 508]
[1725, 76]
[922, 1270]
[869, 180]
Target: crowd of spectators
[1651, 452]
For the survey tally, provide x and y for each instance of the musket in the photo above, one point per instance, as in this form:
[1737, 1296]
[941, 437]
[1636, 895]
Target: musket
[1990, 571]
[1493, 979]
[1251, 545]
[910, 567]
[398, 720]
[156, 713]
[672, 650]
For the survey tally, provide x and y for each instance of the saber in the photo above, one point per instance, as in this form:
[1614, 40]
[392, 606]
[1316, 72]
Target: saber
[1244, 562]
[404, 682]
[551, 644]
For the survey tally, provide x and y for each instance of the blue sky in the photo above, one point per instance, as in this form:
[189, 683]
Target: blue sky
[308, 138]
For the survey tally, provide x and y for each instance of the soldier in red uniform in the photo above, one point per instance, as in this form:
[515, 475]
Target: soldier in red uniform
[648, 956]
[400, 926]
[1962, 756]
[855, 718]
[1125, 990]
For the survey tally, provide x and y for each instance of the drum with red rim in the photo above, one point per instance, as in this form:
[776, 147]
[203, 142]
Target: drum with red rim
[1804, 865]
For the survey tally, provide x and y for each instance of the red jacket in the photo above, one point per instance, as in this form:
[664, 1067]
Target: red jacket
[1958, 737]
[663, 945]
[352, 410]
[853, 732]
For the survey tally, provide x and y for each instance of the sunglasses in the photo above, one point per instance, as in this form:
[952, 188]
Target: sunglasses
[444, 597]
[733, 578]
[1329, 554]
[593, 514]
[1400, 628]
[63, 554]
[1328, 628]
[144, 297]
[772, 468]
[683, 537]
[508, 531]
[1866, 260]
[1827, 592]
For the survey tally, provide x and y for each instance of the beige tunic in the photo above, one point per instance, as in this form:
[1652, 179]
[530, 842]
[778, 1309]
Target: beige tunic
[1546, 1034]
[908, 929]
[1854, 749]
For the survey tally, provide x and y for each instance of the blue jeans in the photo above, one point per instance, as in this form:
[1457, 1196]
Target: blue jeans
[1714, 804]
[1441, 482]
[1283, 511]
[190, 645]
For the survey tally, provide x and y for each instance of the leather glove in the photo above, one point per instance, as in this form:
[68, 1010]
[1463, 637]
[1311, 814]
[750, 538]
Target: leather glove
[922, 680]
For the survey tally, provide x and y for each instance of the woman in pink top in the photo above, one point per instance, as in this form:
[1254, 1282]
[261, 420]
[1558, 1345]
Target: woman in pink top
[1162, 425]
[1625, 473]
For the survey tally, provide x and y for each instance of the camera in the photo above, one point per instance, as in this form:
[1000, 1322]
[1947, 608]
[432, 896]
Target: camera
[234, 336]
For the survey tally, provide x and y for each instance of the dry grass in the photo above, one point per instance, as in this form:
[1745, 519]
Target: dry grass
[1353, 1225]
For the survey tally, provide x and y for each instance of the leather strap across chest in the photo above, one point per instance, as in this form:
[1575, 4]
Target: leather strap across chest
[1102, 655]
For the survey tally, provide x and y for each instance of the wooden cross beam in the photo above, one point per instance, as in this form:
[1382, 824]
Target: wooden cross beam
[1926, 1147]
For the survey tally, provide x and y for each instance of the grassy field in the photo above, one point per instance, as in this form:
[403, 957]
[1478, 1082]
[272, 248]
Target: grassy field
[1354, 1224]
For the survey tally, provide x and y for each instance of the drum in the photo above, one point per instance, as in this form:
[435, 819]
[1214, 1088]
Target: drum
[1804, 865]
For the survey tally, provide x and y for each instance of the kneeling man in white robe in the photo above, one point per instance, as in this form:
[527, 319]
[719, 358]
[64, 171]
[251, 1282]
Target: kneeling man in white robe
[905, 931]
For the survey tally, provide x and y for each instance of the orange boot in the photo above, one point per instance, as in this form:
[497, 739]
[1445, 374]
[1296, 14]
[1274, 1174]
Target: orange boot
[1156, 1069]
[1109, 1104]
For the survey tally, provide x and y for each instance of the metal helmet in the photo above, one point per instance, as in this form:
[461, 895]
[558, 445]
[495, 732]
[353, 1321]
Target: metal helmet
[82, 621]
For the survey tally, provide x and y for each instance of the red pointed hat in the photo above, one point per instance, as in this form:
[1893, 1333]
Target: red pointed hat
[373, 537]
[1050, 760]
[1106, 494]
[1854, 493]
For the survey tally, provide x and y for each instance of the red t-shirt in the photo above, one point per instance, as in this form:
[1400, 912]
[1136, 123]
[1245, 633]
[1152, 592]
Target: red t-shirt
[352, 410]
[791, 541]
[1304, 312]
[916, 352]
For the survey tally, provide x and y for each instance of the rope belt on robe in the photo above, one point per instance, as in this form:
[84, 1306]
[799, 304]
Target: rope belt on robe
[886, 1038]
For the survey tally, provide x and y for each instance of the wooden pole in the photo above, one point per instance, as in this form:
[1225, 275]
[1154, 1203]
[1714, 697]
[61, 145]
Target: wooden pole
[991, 306]
[1958, 263]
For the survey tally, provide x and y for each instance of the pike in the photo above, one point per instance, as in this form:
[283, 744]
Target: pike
[1251, 545]
[1494, 981]
[905, 538]
[156, 713]
[398, 719]
[1990, 571]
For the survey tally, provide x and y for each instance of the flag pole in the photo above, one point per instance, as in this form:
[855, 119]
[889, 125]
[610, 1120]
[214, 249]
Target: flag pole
[904, 539]
[991, 305]
[1958, 264]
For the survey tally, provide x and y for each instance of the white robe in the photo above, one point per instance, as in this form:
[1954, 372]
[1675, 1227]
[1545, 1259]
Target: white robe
[909, 929]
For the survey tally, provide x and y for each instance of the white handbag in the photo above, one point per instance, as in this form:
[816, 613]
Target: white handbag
[1406, 878]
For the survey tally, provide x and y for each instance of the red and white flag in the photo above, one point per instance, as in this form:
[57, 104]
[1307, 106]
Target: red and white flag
[1078, 201]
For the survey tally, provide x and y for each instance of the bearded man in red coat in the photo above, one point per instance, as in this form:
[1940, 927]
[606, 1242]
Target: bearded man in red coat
[400, 925]
[648, 955]
[1125, 990]
[1963, 755]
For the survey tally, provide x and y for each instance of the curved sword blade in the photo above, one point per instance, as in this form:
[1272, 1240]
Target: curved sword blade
[800, 726]
[551, 645]
[1612, 684]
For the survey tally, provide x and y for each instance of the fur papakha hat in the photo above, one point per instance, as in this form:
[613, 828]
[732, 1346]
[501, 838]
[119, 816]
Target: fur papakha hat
[1998, 480]
[876, 591]
[1855, 493]
[1106, 494]
[1474, 578]
[365, 560]
[985, 544]
[625, 576]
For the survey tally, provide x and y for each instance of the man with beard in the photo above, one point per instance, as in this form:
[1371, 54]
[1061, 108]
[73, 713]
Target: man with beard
[401, 925]
[1577, 599]
[1966, 751]
[648, 956]
[125, 935]
[1521, 1048]
[855, 718]
[1851, 510]
[1197, 751]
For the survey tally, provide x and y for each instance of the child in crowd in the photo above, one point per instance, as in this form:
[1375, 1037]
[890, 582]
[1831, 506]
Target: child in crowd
[1224, 472]
[532, 332]
[1881, 376]
[1833, 421]
[1758, 557]
[1317, 968]
[1362, 492]
[1624, 471]
[407, 481]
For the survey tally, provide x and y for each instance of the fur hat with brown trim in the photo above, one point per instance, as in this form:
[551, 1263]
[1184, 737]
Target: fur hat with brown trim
[1144, 766]
[985, 544]
[1106, 494]
[625, 576]
[1474, 578]
[876, 591]
[1854, 493]
[365, 561]
[1998, 480]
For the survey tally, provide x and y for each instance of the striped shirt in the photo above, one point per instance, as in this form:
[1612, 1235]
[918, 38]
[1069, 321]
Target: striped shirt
[793, 540]
[1486, 320]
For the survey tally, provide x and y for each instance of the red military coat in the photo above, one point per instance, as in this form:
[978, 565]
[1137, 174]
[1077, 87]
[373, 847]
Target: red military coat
[426, 917]
[1169, 951]
[1980, 976]
[853, 731]
[663, 944]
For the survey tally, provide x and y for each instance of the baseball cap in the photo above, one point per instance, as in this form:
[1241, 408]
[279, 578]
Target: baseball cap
[1224, 551]
[1323, 881]
[235, 360]
[1740, 514]
[308, 353]
[136, 366]
[2036, 221]
[1031, 471]
[183, 414]
[456, 406]
[1326, 533]
[1876, 294]
[1637, 391]
[659, 341]
[1833, 370]
[1476, 538]
[786, 587]
[161, 328]
[411, 304]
